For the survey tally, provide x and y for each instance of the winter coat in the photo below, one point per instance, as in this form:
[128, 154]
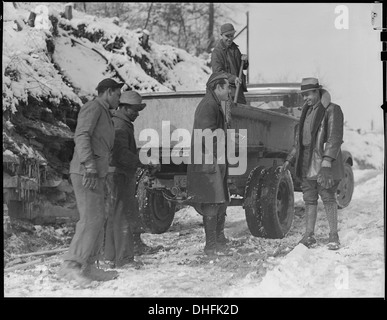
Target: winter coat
[94, 137]
[228, 60]
[327, 137]
[207, 183]
[124, 157]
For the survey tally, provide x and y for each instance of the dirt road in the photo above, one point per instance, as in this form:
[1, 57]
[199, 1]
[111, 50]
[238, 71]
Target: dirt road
[258, 267]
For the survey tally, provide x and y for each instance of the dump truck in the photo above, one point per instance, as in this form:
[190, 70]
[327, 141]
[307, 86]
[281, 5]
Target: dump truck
[270, 120]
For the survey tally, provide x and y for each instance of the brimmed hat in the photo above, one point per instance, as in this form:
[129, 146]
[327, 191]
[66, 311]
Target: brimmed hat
[227, 28]
[132, 99]
[308, 84]
[216, 76]
[109, 83]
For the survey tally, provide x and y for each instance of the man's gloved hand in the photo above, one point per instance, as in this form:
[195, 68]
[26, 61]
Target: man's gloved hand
[325, 176]
[90, 177]
[244, 57]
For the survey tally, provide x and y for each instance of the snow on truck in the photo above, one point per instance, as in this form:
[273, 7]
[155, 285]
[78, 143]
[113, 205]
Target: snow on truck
[270, 119]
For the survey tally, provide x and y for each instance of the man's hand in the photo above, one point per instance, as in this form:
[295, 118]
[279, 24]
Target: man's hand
[238, 81]
[284, 166]
[325, 177]
[244, 57]
[90, 177]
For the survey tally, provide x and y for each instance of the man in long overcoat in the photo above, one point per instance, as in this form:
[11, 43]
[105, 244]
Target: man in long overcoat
[207, 173]
[94, 138]
[317, 158]
[226, 57]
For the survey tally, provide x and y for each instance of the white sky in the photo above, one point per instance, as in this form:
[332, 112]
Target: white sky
[289, 41]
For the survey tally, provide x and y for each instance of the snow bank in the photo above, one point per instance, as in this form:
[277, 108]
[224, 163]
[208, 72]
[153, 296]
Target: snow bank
[319, 272]
[367, 148]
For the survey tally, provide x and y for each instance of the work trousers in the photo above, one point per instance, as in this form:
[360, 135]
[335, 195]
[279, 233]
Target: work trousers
[88, 238]
[122, 203]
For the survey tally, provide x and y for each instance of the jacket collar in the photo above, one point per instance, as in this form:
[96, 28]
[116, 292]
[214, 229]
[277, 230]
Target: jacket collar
[320, 112]
[119, 114]
[224, 47]
[325, 98]
[103, 103]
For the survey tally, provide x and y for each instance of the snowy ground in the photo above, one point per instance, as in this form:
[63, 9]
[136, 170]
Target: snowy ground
[258, 268]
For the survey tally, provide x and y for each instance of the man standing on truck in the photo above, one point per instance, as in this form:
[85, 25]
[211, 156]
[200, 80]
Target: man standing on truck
[207, 180]
[94, 139]
[227, 57]
[123, 225]
[317, 158]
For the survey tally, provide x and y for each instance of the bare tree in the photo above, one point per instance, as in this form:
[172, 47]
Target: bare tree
[149, 15]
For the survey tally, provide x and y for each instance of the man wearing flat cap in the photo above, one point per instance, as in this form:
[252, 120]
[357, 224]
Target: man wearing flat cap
[94, 139]
[121, 183]
[317, 158]
[207, 173]
[226, 57]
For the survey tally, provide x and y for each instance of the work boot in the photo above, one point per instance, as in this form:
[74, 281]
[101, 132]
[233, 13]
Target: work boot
[308, 240]
[129, 263]
[220, 237]
[71, 270]
[310, 221]
[142, 248]
[334, 243]
[210, 231]
[96, 274]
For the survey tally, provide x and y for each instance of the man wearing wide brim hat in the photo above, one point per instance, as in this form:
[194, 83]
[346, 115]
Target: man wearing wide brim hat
[317, 157]
[207, 180]
[121, 184]
[309, 84]
[226, 57]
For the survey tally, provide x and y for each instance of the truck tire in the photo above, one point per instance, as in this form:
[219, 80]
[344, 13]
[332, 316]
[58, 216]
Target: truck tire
[156, 212]
[252, 202]
[346, 187]
[277, 201]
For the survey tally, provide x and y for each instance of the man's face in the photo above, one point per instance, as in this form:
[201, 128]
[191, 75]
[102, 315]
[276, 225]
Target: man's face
[311, 97]
[223, 93]
[114, 98]
[132, 114]
[228, 38]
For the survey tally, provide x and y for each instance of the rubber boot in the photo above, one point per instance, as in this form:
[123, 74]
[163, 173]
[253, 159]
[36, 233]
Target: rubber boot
[331, 212]
[210, 223]
[310, 221]
[220, 237]
[71, 270]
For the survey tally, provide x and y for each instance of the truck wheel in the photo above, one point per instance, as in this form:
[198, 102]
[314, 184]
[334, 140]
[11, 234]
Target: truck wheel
[252, 202]
[156, 212]
[345, 189]
[277, 201]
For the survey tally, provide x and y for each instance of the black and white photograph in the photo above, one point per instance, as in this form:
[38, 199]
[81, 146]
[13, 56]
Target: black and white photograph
[193, 150]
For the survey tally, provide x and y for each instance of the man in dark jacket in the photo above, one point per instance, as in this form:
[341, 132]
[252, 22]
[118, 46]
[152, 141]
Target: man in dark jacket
[207, 173]
[123, 225]
[227, 57]
[317, 157]
[94, 138]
